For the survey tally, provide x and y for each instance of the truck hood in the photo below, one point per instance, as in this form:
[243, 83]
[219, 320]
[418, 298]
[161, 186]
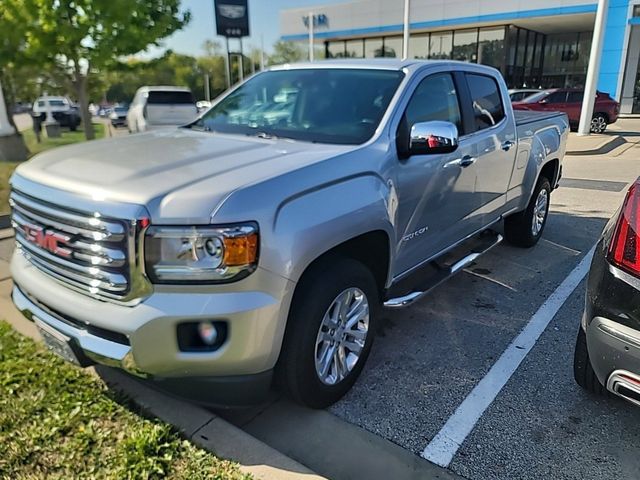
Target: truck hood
[177, 174]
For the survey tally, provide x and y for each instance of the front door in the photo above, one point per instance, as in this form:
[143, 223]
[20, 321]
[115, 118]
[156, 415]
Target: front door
[436, 201]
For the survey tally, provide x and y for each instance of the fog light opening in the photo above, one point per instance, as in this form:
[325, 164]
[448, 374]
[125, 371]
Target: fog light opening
[202, 336]
[208, 333]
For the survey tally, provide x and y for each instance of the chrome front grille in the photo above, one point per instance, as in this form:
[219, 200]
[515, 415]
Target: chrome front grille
[84, 251]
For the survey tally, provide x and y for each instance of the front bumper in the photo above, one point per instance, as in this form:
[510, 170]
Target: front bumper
[142, 339]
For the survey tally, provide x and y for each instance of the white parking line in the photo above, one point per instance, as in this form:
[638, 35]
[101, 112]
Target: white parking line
[448, 440]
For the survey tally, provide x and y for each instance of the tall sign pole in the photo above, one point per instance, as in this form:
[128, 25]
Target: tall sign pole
[232, 21]
[584, 128]
[311, 36]
[405, 36]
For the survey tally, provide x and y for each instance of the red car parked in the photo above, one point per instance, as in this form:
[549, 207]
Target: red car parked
[569, 101]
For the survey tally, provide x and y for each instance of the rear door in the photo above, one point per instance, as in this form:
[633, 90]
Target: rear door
[494, 136]
[436, 201]
[166, 107]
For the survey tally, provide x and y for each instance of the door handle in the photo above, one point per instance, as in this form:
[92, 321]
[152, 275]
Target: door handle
[461, 162]
[506, 146]
[467, 160]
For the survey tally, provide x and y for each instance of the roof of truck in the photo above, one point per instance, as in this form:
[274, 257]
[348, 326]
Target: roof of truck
[372, 63]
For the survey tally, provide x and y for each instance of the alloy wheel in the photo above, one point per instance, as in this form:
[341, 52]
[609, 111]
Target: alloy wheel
[342, 336]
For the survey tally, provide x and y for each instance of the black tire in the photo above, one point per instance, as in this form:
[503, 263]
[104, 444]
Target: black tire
[582, 369]
[518, 227]
[599, 123]
[73, 127]
[296, 371]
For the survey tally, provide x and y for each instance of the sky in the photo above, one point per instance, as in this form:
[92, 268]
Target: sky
[264, 20]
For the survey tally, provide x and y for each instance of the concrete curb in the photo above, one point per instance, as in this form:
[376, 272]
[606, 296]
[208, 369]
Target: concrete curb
[196, 423]
[6, 233]
[606, 146]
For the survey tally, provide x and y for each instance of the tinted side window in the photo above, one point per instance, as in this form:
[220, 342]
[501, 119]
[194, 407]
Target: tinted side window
[487, 101]
[557, 97]
[167, 98]
[575, 97]
[435, 99]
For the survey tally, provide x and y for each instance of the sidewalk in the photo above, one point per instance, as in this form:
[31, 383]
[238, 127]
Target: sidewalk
[625, 130]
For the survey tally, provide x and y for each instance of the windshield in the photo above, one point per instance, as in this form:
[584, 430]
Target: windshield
[536, 97]
[342, 106]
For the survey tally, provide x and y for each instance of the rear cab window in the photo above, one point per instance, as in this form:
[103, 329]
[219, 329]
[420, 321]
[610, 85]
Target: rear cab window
[488, 109]
[159, 97]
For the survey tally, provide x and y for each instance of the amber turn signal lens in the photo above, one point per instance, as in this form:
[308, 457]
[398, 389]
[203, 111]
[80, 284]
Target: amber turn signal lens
[240, 250]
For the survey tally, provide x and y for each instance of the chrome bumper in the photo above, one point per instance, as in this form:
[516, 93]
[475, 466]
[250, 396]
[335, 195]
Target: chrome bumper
[97, 349]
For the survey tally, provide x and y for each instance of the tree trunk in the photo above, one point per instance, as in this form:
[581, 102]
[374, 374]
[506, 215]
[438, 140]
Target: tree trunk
[12, 146]
[81, 89]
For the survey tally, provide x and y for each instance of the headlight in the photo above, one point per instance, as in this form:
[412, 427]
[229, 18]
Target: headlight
[113, 116]
[201, 254]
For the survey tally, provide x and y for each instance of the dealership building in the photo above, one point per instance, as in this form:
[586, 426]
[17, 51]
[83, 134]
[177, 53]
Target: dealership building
[534, 43]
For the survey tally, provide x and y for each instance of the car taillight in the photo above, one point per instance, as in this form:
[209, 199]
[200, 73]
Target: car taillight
[624, 251]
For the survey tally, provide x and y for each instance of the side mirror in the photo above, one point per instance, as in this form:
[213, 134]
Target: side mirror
[543, 101]
[433, 137]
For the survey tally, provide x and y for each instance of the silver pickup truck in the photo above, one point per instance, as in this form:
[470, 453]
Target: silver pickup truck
[259, 244]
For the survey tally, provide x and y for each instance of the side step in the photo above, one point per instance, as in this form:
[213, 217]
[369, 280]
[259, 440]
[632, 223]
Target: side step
[417, 285]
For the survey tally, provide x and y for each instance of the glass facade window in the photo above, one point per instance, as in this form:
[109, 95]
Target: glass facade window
[440, 45]
[465, 45]
[393, 47]
[419, 46]
[373, 48]
[335, 49]
[355, 48]
[566, 57]
[491, 47]
[526, 58]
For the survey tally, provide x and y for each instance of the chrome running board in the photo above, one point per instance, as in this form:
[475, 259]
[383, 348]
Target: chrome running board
[443, 268]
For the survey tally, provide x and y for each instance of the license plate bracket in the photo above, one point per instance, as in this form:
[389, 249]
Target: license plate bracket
[57, 342]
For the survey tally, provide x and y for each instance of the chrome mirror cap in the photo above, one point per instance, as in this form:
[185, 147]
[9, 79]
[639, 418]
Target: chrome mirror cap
[433, 137]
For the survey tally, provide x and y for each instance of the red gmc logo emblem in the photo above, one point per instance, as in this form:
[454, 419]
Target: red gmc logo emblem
[53, 242]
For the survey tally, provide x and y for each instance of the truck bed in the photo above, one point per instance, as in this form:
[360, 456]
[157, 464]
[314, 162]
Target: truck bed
[524, 117]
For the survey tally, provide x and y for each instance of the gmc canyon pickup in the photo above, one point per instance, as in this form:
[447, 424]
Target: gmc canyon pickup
[258, 244]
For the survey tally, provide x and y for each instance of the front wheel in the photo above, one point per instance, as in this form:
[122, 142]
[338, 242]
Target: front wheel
[329, 333]
[525, 228]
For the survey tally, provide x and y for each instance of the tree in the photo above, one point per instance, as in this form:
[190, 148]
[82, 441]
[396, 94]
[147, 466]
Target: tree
[83, 37]
[287, 52]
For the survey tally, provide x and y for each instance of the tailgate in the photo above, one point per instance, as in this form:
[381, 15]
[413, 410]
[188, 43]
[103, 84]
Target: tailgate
[168, 114]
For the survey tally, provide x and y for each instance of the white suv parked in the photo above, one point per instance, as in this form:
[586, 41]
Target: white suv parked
[161, 107]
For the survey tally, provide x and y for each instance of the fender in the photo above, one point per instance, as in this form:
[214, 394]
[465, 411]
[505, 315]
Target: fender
[313, 222]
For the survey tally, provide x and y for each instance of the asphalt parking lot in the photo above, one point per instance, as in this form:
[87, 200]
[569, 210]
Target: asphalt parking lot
[429, 357]
[432, 356]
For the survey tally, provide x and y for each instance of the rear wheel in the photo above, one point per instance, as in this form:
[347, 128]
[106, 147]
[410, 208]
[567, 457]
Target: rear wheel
[582, 369]
[599, 123]
[525, 228]
[329, 333]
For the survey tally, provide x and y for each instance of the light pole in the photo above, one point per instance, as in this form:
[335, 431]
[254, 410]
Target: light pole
[311, 36]
[584, 128]
[405, 39]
